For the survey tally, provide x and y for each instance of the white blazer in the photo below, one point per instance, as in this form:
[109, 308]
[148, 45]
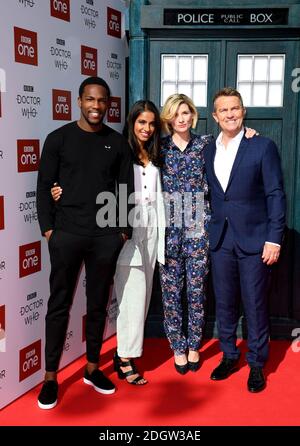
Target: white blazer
[130, 254]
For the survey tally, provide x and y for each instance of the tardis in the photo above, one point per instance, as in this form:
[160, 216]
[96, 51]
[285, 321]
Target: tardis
[197, 47]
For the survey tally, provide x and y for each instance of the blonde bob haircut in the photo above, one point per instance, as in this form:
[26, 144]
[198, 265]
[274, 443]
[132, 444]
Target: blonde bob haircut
[170, 108]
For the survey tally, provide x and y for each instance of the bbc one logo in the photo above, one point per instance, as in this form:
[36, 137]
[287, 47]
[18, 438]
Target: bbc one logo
[89, 61]
[114, 110]
[1, 212]
[28, 155]
[26, 48]
[114, 19]
[30, 360]
[60, 9]
[61, 103]
[29, 259]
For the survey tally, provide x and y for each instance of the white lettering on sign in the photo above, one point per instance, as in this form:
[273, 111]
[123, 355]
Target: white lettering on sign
[261, 18]
[196, 18]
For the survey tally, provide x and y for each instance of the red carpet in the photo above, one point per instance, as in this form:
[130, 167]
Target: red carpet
[170, 399]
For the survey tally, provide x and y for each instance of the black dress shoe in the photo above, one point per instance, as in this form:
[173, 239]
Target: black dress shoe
[224, 369]
[194, 366]
[256, 381]
[182, 369]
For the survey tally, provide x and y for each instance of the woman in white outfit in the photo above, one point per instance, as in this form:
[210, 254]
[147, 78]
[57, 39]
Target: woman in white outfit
[136, 262]
[135, 266]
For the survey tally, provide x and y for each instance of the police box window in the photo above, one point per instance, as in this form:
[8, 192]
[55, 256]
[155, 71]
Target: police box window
[260, 79]
[184, 73]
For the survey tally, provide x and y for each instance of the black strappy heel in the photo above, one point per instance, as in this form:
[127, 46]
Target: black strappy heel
[118, 363]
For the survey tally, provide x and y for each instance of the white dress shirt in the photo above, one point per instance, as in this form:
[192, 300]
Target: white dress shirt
[225, 157]
[145, 180]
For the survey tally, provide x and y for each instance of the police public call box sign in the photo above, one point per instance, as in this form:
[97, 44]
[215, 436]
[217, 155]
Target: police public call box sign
[256, 16]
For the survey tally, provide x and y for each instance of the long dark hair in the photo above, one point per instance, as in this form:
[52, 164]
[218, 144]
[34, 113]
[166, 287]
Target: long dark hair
[153, 144]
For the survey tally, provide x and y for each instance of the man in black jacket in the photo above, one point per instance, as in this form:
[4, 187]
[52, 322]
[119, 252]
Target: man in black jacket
[86, 158]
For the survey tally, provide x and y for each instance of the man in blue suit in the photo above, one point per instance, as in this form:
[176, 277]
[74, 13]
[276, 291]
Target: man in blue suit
[246, 229]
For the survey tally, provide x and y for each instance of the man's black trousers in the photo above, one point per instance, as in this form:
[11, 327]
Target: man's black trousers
[67, 252]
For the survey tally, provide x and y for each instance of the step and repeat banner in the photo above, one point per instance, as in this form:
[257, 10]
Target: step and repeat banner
[47, 47]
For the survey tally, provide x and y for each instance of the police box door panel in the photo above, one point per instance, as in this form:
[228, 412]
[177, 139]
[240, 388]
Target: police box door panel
[190, 67]
[261, 70]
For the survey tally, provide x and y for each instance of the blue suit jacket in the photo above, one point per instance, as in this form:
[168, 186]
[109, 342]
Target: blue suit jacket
[254, 201]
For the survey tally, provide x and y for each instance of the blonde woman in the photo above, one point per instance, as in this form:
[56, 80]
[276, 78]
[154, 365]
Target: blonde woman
[186, 242]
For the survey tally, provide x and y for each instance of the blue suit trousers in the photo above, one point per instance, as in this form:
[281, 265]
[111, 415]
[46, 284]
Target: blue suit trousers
[237, 273]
